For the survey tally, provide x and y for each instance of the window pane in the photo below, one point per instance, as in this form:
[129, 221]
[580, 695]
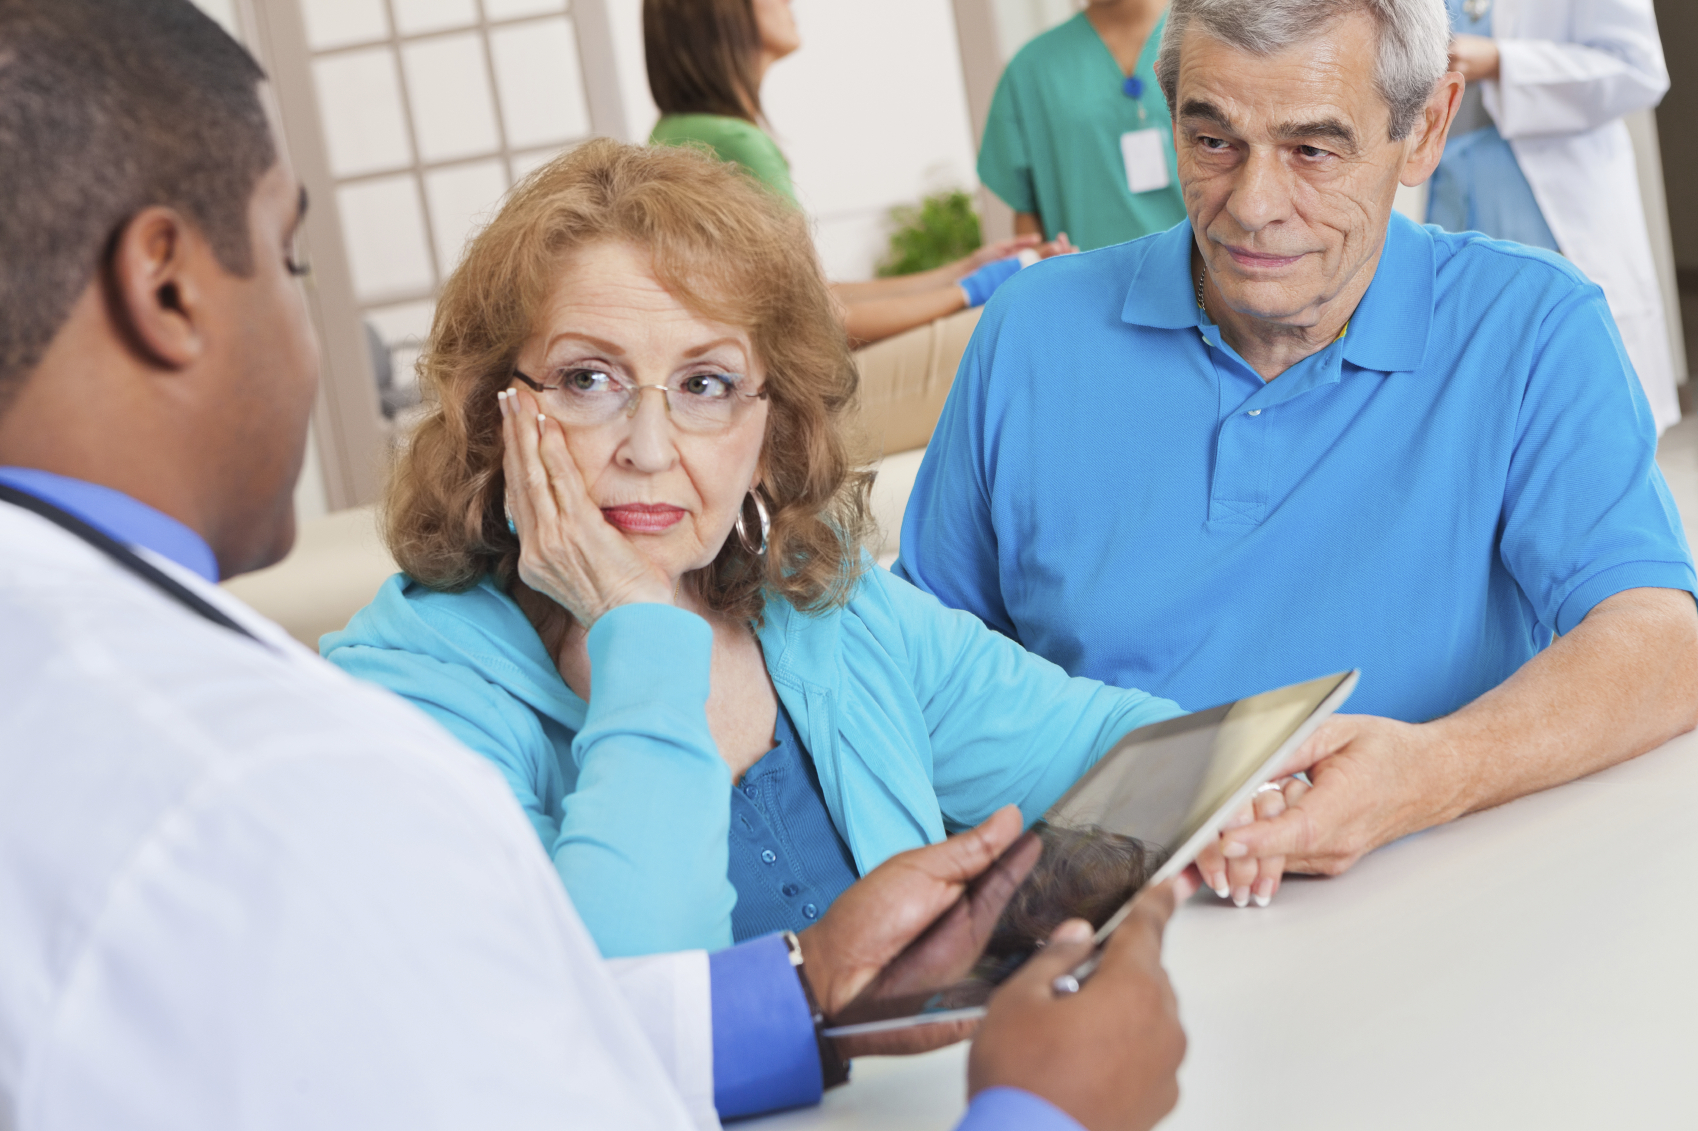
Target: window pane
[542, 93]
[406, 324]
[415, 16]
[449, 87]
[343, 23]
[525, 163]
[383, 227]
[512, 9]
[462, 200]
[222, 11]
[359, 97]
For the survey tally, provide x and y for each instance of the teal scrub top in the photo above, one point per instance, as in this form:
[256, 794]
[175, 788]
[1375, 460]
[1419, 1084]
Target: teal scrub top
[1052, 140]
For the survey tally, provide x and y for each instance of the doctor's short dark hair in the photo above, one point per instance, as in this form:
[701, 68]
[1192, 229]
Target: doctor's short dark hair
[108, 107]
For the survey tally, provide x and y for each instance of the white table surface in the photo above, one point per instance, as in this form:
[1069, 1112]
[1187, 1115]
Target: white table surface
[1534, 966]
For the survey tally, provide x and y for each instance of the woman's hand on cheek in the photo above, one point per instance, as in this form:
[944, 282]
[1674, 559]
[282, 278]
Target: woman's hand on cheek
[567, 550]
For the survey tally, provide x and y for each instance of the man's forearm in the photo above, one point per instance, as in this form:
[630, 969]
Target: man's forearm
[1623, 682]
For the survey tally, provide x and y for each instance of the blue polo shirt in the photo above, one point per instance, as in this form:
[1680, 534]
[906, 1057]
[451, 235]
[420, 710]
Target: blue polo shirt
[1468, 468]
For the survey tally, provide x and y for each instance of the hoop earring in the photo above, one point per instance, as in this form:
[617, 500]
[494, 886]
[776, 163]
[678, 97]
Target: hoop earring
[743, 525]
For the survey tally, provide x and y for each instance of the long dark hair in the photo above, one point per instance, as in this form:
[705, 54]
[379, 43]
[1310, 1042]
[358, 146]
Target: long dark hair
[701, 57]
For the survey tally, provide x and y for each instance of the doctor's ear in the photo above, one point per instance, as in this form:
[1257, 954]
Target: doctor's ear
[156, 287]
[1431, 129]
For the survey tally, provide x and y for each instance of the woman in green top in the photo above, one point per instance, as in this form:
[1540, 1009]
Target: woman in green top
[1078, 140]
[706, 60]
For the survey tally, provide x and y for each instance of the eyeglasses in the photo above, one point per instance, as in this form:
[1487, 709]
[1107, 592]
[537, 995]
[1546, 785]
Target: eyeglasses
[698, 402]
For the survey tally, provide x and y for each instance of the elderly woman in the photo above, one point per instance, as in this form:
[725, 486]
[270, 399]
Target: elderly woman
[633, 510]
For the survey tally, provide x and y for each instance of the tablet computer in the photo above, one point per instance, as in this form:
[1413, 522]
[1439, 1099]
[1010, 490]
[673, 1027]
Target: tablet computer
[1137, 817]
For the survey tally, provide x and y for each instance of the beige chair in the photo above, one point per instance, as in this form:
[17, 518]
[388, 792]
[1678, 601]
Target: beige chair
[339, 560]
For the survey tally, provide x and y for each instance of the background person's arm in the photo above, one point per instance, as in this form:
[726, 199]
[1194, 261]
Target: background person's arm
[883, 308]
[1612, 64]
[873, 320]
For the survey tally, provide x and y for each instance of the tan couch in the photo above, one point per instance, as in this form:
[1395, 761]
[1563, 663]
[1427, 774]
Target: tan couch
[339, 560]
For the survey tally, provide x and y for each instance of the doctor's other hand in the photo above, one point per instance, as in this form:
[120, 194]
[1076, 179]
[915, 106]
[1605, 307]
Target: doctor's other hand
[1107, 1055]
[904, 927]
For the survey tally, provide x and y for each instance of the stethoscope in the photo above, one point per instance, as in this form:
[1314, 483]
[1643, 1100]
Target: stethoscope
[125, 557]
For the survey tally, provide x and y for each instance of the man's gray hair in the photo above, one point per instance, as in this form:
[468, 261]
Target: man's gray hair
[1414, 41]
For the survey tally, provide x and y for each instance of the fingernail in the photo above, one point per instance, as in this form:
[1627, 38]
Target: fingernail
[1232, 850]
[1221, 887]
[1241, 897]
[1264, 893]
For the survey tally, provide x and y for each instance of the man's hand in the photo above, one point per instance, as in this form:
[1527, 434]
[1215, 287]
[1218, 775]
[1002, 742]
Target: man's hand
[1107, 1055]
[1374, 780]
[892, 926]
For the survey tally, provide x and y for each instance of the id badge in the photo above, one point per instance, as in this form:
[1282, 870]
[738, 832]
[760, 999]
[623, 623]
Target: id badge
[1146, 160]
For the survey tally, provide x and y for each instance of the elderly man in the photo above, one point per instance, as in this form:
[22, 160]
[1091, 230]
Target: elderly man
[1300, 433]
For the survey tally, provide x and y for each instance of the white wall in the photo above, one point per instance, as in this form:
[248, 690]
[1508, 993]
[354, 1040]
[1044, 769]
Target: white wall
[871, 112]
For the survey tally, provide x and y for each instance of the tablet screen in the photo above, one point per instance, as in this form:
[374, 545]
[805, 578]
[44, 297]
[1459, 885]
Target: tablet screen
[1158, 792]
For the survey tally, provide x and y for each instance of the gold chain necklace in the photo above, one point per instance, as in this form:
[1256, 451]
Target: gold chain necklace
[1200, 276]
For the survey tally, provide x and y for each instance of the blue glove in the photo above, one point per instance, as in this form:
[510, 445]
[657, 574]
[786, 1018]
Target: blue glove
[981, 284]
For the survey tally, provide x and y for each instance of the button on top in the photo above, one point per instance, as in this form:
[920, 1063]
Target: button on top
[790, 889]
[810, 911]
[1254, 412]
[750, 790]
[768, 855]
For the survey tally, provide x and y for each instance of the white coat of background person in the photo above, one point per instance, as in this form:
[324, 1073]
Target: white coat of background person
[1558, 76]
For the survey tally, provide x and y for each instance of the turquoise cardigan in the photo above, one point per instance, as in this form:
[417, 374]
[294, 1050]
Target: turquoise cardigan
[920, 720]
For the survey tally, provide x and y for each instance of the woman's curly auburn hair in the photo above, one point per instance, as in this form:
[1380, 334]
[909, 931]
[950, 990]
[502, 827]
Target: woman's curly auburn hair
[725, 247]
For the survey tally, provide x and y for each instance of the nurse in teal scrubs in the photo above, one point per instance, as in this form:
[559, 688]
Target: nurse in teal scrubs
[1078, 139]
[1478, 186]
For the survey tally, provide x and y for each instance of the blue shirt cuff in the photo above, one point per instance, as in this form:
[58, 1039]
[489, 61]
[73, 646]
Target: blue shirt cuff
[1618, 579]
[764, 1054]
[1013, 1109]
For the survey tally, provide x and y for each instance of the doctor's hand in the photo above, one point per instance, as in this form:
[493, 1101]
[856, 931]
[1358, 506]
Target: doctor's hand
[1374, 780]
[1107, 1055]
[904, 927]
[567, 550]
[1474, 57]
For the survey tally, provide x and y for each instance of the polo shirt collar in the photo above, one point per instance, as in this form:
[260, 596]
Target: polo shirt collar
[1391, 325]
[1388, 332]
[1163, 295]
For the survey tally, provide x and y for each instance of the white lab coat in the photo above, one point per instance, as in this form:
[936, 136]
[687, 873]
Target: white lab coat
[1569, 70]
[240, 890]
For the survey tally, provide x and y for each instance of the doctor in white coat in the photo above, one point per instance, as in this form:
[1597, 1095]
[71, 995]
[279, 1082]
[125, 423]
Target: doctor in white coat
[1554, 79]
